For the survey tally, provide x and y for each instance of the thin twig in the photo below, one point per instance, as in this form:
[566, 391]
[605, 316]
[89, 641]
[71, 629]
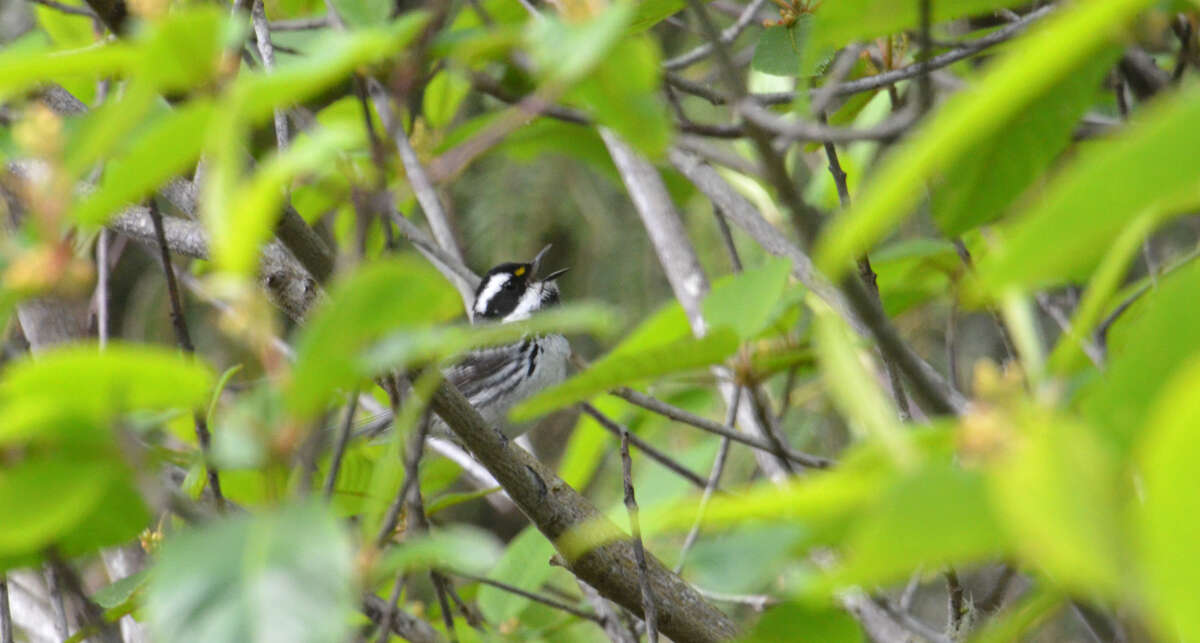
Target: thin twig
[390, 610]
[184, 339]
[6, 622]
[727, 36]
[648, 449]
[957, 599]
[102, 287]
[67, 9]
[679, 415]
[262, 36]
[757, 602]
[339, 447]
[537, 598]
[648, 608]
[69, 582]
[869, 278]
[299, 24]
[412, 459]
[714, 479]
[55, 590]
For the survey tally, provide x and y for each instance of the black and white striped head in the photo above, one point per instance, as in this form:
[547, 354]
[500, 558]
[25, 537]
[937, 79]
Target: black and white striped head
[513, 291]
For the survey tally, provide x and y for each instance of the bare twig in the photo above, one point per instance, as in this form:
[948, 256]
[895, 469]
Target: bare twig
[714, 479]
[67, 9]
[679, 415]
[413, 451]
[69, 583]
[6, 621]
[869, 279]
[957, 599]
[639, 551]
[537, 598]
[339, 447]
[727, 36]
[55, 590]
[606, 561]
[620, 431]
[402, 623]
[262, 35]
[184, 339]
[300, 24]
[390, 609]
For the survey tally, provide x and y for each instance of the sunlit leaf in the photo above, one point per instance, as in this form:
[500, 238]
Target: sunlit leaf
[1032, 66]
[443, 96]
[524, 564]
[462, 548]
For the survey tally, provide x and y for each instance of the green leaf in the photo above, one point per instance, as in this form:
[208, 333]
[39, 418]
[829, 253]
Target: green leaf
[280, 576]
[648, 13]
[239, 232]
[44, 498]
[118, 592]
[1034, 65]
[853, 387]
[416, 345]
[65, 30]
[524, 564]
[443, 95]
[938, 515]
[1073, 225]
[122, 377]
[780, 49]
[745, 302]
[806, 622]
[914, 271]
[1151, 342]
[1168, 520]
[1056, 494]
[183, 50]
[839, 23]
[459, 548]
[981, 186]
[20, 69]
[619, 370]
[386, 295]
[565, 52]
[622, 93]
[146, 162]
[364, 13]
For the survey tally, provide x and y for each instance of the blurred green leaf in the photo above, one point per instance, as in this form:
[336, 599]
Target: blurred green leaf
[239, 232]
[587, 446]
[745, 302]
[21, 69]
[120, 378]
[278, 576]
[622, 93]
[65, 30]
[1168, 520]
[914, 271]
[981, 185]
[722, 562]
[1056, 493]
[383, 296]
[412, 346]
[443, 95]
[625, 369]
[459, 548]
[364, 13]
[565, 52]
[44, 498]
[1032, 66]
[853, 386]
[524, 564]
[146, 162]
[1073, 225]
[118, 592]
[839, 23]
[648, 13]
[780, 49]
[937, 515]
[1147, 346]
[184, 48]
[806, 622]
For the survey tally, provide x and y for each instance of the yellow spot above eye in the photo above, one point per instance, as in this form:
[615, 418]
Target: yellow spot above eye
[519, 271]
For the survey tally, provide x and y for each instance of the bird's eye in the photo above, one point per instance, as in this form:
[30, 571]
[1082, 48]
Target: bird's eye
[510, 285]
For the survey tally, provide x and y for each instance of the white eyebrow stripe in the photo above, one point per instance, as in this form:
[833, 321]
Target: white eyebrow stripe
[494, 284]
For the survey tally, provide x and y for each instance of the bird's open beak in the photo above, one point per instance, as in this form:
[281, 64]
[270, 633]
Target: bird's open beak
[537, 263]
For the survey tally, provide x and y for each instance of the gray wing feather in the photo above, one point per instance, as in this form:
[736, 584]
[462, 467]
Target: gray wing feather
[481, 370]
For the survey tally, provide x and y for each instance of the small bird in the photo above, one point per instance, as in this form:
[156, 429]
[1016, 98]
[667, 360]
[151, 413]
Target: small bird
[495, 379]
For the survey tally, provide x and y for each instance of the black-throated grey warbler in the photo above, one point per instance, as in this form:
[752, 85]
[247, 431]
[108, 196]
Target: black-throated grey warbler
[494, 379]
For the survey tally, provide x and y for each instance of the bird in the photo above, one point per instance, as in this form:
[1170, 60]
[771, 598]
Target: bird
[495, 379]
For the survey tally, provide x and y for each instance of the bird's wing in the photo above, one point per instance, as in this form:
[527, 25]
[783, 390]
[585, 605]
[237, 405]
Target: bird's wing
[485, 369]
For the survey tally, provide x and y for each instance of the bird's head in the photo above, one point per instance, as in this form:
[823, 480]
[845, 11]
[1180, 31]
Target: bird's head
[514, 291]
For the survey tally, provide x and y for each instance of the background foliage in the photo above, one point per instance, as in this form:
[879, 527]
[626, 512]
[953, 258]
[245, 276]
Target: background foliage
[972, 415]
